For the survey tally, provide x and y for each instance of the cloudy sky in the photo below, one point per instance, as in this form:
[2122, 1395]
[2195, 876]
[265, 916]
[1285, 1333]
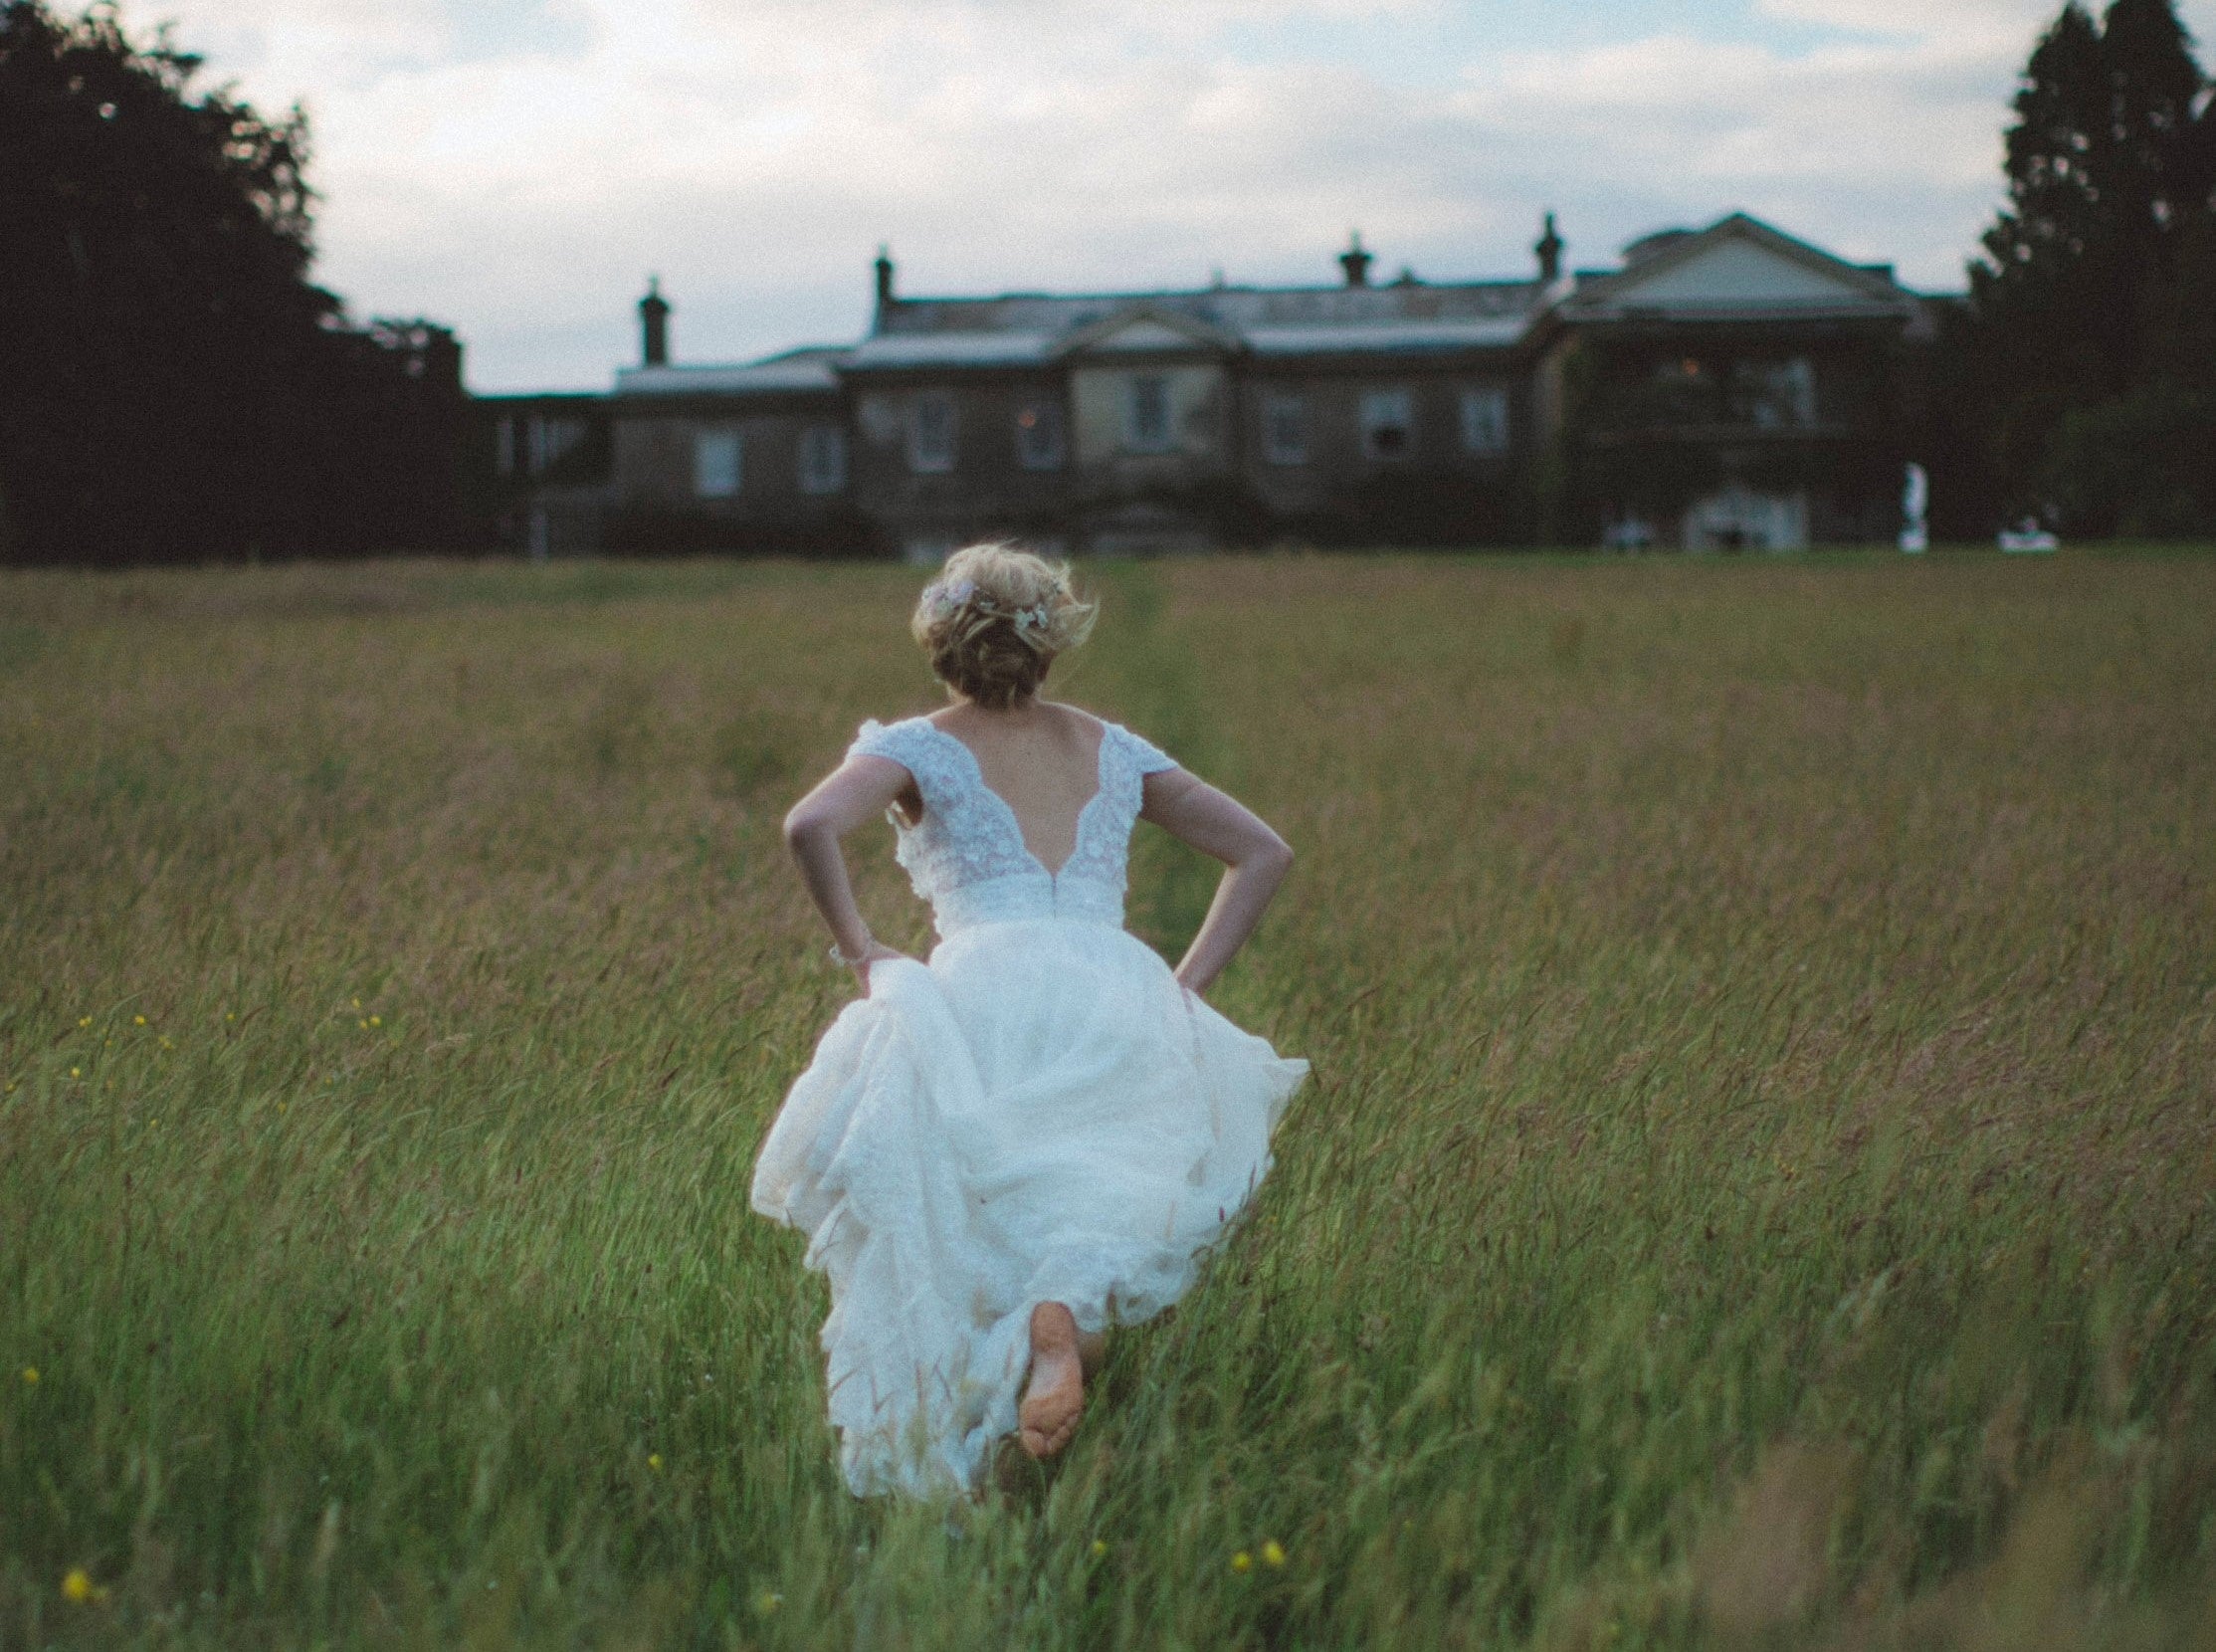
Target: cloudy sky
[517, 167]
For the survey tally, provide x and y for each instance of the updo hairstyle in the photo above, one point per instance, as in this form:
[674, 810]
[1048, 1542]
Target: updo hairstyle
[995, 618]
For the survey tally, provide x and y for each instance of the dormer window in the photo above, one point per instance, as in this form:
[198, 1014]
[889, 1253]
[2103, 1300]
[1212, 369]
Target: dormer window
[1146, 425]
[1388, 424]
[1039, 434]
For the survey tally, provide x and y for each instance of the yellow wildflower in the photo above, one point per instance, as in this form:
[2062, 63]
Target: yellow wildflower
[654, 1461]
[1098, 1548]
[376, 1020]
[80, 1587]
[364, 1025]
[74, 1073]
[31, 1375]
[1271, 1555]
[357, 1003]
[85, 1020]
[230, 1015]
[1241, 1561]
[139, 1020]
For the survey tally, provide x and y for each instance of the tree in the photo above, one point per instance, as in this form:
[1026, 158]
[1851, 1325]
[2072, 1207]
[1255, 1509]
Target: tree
[2077, 303]
[177, 387]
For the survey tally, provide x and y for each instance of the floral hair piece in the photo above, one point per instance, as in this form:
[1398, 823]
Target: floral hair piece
[944, 600]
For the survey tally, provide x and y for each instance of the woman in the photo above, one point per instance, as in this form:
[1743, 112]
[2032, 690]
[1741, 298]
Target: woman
[998, 1153]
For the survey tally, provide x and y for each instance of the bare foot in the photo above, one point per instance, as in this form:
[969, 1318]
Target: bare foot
[1055, 1397]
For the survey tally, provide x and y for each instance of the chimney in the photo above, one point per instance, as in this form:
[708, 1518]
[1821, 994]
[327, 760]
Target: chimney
[885, 279]
[654, 326]
[1355, 260]
[1549, 249]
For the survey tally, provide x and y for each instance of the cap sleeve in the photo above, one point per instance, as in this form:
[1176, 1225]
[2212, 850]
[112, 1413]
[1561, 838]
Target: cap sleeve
[1146, 756]
[901, 741]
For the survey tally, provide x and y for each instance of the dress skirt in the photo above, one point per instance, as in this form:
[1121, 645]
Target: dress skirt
[1038, 1114]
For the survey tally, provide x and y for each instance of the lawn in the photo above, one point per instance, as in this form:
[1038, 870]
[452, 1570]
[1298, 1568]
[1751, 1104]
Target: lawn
[1757, 1188]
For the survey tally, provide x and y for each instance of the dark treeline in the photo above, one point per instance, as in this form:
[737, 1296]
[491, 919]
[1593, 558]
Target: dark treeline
[174, 387]
[2079, 382]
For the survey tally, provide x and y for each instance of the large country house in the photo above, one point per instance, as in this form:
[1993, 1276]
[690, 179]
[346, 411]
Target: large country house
[1723, 388]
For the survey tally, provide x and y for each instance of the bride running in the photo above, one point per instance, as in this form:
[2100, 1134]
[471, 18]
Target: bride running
[998, 1153]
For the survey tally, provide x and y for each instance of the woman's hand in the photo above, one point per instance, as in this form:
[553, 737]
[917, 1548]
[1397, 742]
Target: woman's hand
[875, 953]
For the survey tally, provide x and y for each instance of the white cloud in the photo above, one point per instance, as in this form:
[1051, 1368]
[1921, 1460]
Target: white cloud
[516, 167]
[2014, 20]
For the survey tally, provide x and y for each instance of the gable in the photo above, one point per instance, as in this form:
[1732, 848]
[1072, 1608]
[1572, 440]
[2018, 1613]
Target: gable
[1732, 269]
[1147, 329]
[1143, 333]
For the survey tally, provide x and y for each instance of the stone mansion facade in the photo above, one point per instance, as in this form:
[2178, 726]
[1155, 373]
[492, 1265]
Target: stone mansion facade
[1721, 388]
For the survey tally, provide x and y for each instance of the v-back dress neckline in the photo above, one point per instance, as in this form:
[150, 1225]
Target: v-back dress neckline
[1008, 813]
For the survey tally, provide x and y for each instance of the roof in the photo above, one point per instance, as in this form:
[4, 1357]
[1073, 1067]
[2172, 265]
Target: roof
[892, 351]
[1737, 269]
[803, 370]
[1229, 309]
[1387, 338]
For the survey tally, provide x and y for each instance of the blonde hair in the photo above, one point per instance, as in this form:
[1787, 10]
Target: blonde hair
[995, 618]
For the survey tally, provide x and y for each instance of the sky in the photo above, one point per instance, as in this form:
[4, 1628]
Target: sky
[517, 169]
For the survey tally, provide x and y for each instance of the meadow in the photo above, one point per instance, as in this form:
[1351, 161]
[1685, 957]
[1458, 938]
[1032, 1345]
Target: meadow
[1755, 1187]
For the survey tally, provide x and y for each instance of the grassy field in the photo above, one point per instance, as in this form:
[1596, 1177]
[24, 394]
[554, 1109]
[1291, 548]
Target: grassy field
[1757, 1189]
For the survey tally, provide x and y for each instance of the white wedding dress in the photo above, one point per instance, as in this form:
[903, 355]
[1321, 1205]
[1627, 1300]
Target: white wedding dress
[1038, 1114]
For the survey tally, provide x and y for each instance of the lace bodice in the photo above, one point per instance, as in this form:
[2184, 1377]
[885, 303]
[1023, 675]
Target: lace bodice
[967, 857]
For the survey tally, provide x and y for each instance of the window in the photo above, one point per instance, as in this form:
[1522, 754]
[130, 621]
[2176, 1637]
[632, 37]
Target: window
[533, 443]
[823, 459]
[1388, 424]
[1285, 429]
[1774, 395]
[1039, 436]
[1484, 420]
[1685, 392]
[1146, 414]
[930, 432]
[716, 462]
[552, 437]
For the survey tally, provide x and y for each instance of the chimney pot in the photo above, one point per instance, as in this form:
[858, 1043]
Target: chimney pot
[1549, 250]
[1355, 260]
[654, 326]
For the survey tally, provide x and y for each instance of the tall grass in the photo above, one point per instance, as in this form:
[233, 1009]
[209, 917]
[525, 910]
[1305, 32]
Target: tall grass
[1757, 1188]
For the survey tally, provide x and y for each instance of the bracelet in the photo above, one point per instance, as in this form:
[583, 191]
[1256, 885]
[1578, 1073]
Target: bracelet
[838, 956]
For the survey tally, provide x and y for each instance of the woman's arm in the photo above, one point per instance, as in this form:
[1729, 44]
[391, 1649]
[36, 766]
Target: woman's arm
[860, 789]
[1255, 858]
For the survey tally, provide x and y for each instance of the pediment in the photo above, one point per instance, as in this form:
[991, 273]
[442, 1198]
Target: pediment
[1737, 272]
[1147, 330]
[1144, 334]
[1742, 264]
